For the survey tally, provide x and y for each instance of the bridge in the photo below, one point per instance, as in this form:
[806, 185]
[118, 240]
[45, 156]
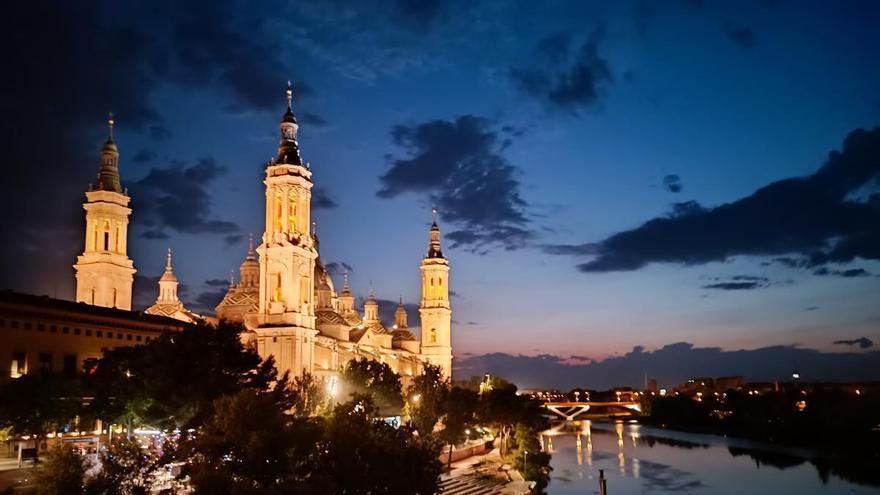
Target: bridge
[571, 410]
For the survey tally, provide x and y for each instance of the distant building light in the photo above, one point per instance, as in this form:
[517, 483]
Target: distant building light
[796, 375]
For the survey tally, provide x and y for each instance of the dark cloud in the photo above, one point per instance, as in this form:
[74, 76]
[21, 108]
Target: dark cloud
[321, 199]
[217, 282]
[672, 183]
[312, 119]
[740, 282]
[72, 62]
[849, 273]
[459, 165]
[337, 268]
[805, 217]
[862, 342]
[206, 301]
[154, 234]
[144, 155]
[563, 81]
[741, 36]
[672, 365]
[177, 197]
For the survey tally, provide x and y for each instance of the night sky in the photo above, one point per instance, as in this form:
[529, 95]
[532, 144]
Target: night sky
[613, 179]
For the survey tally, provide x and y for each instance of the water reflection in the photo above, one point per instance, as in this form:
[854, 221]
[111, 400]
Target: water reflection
[639, 459]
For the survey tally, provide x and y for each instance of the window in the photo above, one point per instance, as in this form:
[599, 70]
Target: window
[88, 333]
[118, 231]
[106, 235]
[13, 324]
[53, 329]
[291, 212]
[276, 287]
[77, 331]
[119, 336]
[114, 297]
[41, 327]
[278, 206]
[27, 325]
[128, 336]
[65, 330]
[18, 366]
[45, 363]
[433, 335]
[99, 333]
[70, 364]
[137, 338]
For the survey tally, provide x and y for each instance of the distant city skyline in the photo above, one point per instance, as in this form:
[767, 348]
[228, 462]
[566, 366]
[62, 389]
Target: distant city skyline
[607, 176]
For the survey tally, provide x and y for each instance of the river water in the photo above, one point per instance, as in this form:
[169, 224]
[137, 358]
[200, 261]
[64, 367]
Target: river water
[639, 459]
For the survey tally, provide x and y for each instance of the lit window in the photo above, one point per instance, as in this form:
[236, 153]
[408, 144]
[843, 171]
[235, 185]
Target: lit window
[278, 216]
[291, 212]
[276, 292]
[18, 366]
[106, 235]
[433, 335]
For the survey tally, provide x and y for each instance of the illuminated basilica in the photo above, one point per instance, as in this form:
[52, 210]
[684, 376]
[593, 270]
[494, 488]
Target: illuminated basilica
[285, 297]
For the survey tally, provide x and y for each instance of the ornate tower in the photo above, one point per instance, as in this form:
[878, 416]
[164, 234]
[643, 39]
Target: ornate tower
[435, 312]
[346, 300]
[371, 309]
[104, 272]
[168, 304]
[400, 315]
[285, 320]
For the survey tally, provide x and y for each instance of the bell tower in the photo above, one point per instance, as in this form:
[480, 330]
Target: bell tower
[435, 312]
[104, 272]
[285, 320]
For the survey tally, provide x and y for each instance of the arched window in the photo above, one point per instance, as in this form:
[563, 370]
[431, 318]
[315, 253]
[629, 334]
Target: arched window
[304, 290]
[291, 212]
[118, 235]
[276, 293]
[432, 335]
[106, 235]
[114, 297]
[278, 212]
[94, 235]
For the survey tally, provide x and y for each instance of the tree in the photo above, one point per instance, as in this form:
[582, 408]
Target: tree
[126, 469]
[309, 397]
[459, 409]
[251, 446]
[378, 380]
[425, 397]
[172, 382]
[367, 456]
[39, 404]
[528, 457]
[62, 473]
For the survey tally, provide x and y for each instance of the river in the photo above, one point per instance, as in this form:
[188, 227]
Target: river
[638, 459]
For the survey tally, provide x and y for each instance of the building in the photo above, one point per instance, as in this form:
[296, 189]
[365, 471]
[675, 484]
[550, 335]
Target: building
[39, 334]
[285, 297]
[288, 301]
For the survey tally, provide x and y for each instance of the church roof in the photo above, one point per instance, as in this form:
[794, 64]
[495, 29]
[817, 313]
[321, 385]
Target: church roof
[403, 334]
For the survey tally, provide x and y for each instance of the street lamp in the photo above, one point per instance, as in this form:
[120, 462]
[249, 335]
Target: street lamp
[525, 460]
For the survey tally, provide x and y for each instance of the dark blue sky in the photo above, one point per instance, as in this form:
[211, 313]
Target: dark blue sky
[608, 174]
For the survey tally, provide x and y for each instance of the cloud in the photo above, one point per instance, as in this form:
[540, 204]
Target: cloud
[459, 165]
[672, 364]
[144, 155]
[177, 197]
[206, 301]
[849, 273]
[804, 217]
[742, 36]
[217, 282]
[672, 183]
[862, 342]
[565, 81]
[740, 282]
[571, 249]
[312, 119]
[75, 61]
[321, 199]
[337, 268]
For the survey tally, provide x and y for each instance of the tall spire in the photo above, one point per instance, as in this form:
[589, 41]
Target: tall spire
[108, 175]
[168, 275]
[400, 315]
[250, 252]
[434, 242]
[288, 149]
[168, 262]
[345, 288]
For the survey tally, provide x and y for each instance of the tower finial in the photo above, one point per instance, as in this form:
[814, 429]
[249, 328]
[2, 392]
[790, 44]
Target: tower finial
[168, 262]
[251, 243]
[434, 216]
[110, 123]
[345, 281]
[231, 278]
[289, 96]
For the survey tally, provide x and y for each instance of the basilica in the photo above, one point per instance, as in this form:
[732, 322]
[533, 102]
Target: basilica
[285, 298]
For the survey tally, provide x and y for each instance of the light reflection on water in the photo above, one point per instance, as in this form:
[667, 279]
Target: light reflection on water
[639, 459]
